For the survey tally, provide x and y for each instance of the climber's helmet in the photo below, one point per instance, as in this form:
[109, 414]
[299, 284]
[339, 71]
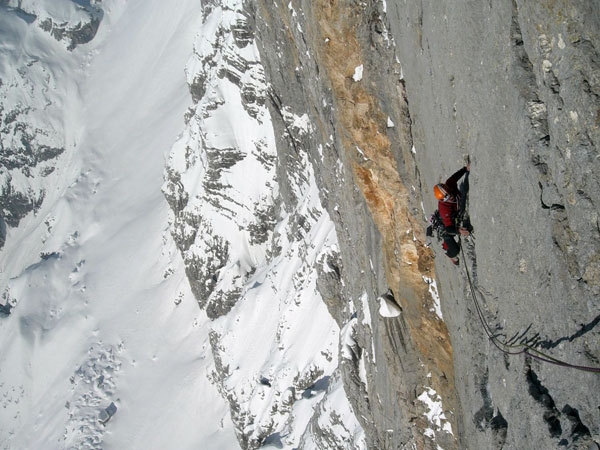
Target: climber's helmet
[441, 192]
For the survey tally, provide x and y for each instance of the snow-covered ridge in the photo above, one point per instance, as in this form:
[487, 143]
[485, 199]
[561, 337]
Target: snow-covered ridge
[221, 174]
[38, 99]
[253, 257]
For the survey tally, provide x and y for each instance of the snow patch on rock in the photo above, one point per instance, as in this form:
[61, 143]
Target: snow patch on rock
[358, 73]
[435, 413]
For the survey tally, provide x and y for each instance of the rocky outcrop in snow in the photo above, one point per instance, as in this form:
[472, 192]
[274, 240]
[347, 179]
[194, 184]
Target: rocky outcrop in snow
[68, 21]
[35, 97]
[221, 178]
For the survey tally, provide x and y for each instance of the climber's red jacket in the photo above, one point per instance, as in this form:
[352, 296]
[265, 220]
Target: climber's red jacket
[449, 209]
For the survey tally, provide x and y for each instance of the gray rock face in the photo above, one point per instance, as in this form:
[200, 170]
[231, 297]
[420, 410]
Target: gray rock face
[515, 85]
[311, 62]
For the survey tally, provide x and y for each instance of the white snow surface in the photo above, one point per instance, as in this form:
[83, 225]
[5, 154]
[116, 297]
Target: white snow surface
[107, 315]
[435, 413]
[435, 296]
[358, 73]
[387, 308]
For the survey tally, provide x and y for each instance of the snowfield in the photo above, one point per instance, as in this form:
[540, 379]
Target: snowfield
[103, 312]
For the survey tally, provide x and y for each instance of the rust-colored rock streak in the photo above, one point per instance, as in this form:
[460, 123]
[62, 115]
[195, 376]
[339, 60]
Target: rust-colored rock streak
[369, 150]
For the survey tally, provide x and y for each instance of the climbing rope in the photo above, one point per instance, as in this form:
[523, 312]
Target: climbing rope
[509, 347]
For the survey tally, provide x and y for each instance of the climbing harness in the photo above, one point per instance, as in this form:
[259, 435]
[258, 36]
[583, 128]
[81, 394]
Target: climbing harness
[436, 225]
[510, 347]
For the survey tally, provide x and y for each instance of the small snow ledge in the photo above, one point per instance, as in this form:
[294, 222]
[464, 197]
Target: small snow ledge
[435, 413]
[387, 307]
[358, 73]
[433, 290]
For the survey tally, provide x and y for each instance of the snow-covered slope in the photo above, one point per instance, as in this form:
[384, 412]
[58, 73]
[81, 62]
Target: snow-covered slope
[255, 254]
[102, 311]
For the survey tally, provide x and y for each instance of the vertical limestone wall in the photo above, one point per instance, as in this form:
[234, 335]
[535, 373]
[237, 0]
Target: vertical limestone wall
[515, 85]
[336, 63]
[398, 93]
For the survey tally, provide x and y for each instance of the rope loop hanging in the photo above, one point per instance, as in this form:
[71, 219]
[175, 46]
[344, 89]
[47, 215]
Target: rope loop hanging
[511, 348]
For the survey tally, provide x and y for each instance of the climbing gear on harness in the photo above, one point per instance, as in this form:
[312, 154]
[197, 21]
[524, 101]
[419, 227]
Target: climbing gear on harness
[436, 225]
[441, 192]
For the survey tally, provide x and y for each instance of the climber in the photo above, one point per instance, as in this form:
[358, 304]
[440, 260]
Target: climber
[451, 205]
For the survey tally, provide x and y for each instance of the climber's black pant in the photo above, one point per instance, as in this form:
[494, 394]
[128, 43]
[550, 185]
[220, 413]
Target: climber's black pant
[451, 246]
